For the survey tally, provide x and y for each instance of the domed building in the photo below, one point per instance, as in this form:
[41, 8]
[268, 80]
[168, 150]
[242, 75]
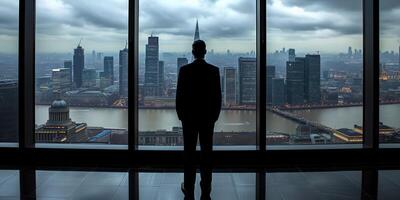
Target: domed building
[59, 127]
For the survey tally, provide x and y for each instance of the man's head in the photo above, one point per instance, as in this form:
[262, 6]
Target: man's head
[199, 49]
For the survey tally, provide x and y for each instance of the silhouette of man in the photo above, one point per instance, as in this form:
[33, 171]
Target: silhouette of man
[198, 104]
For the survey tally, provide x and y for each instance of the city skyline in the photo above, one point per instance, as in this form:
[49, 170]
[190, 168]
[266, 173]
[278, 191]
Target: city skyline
[321, 24]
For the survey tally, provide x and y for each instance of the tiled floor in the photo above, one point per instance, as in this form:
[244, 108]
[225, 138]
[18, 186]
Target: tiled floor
[81, 185]
[389, 185]
[9, 184]
[225, 186]
[57, 185]
[314, 185]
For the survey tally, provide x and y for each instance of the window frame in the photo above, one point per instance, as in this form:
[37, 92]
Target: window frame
[26, 55]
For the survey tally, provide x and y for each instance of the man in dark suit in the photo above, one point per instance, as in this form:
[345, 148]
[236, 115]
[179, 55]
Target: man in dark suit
[198, 104]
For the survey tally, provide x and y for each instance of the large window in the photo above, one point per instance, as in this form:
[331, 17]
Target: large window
[81, 72]
[314, 72]
[389, 68]
[166, 33]
[9, 71]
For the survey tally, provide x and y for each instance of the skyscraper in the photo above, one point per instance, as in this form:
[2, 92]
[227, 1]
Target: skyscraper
[295, 81]
[292, 55]
[247, 80]
[109, 68]
[89, 77]
[60, 80]
[229, 86]
[8, 110]
[161, 86]
[312, 79]
[151, 76]
[123, 72]
[278, 91]
[180, 62]
[270, 76]
[68, 65]
[197, 32]
[79, 64]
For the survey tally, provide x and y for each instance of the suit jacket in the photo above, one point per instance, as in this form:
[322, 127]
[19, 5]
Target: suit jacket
[198, 95]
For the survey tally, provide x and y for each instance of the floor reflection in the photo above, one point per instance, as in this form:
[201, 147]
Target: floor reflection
[314, 185]
[225, 186]
[165, 185]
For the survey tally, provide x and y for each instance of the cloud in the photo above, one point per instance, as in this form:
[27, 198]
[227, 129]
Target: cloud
[297, 20]
[106, 21]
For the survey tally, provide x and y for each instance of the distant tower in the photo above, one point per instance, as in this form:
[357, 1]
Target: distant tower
[197, 32]
[151, 76]
[78, 65]
[292, 55]
[123, 72]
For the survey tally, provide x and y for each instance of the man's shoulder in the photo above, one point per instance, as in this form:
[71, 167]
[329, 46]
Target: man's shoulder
[194, 65]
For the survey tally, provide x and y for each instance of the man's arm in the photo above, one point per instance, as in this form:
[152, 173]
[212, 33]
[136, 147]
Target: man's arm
[218, 97]
[179, 95]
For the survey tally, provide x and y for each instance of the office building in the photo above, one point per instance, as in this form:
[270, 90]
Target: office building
[295, 81]
[229, 86]
[68, 65]
[89, 77]
[180, 62]
[278, 91]
[79, 65]
[312, 79]
[109, 67]
[151, 76]
[270, 75]
[247, 81]
[292, 55]
[60, 80]
[161, 75]
[8, 110]
[123, 72]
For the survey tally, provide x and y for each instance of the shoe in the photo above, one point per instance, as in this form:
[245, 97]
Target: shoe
[185, 192]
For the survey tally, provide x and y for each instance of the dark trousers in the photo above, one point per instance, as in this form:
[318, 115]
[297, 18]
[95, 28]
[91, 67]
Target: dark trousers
[205, 133]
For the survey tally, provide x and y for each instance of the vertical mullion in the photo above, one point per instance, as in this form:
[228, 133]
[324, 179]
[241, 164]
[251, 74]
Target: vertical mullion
[371, 74]
[26, 73]
[261, 74]
[132, 75]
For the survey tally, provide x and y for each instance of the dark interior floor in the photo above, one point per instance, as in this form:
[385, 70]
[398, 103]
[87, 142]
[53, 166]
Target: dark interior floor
[297, 185]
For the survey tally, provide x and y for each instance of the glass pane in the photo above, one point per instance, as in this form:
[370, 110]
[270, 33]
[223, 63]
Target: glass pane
[389, 78]
[314, 73]
[225, 186]
[81, 73]
[166, 33]
[313, 185]
[81, 185]
[9, 10]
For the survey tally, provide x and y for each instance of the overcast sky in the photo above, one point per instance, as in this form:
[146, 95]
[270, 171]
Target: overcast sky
[308, 25]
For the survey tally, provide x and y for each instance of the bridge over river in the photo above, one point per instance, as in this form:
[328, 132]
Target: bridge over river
[302, 120]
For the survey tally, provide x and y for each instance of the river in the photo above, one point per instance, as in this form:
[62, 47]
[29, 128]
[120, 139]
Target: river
[229, 120]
